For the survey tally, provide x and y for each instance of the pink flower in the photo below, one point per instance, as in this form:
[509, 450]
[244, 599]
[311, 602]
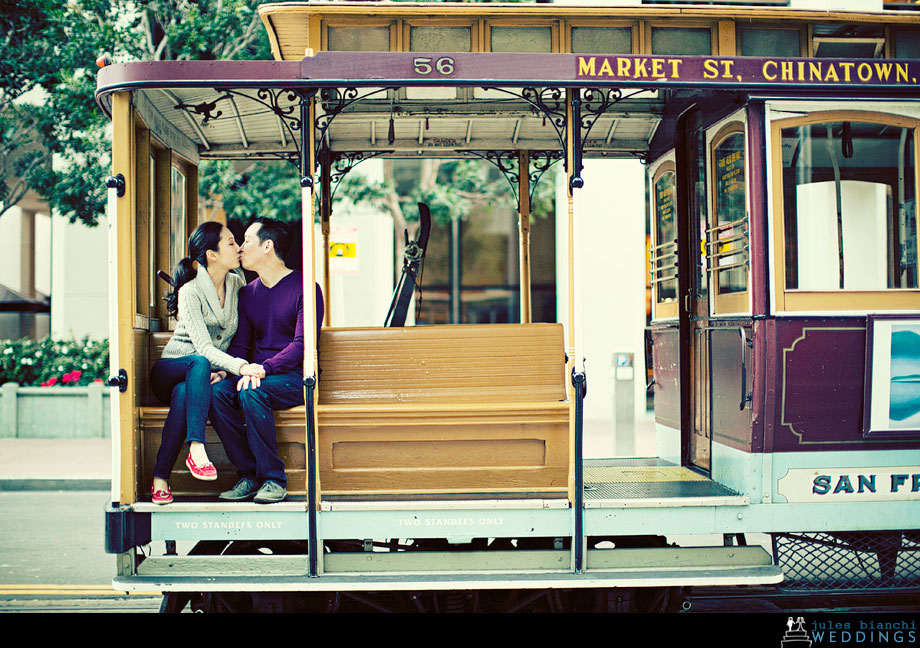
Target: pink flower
[75, 375]
[51, 382]
[65, 378]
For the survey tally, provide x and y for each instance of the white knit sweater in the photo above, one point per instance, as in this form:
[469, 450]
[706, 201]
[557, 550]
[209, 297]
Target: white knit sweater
[203, 327]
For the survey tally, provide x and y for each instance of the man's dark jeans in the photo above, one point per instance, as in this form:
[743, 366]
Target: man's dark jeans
[185, 385]
[245, 423]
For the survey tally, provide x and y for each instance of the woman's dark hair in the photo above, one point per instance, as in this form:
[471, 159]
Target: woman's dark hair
[205, 237]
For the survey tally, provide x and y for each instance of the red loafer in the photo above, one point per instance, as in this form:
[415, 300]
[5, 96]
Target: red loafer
[206, 472]
[161, 496]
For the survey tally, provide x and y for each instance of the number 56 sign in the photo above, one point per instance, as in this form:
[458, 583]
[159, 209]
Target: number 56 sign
[426, 66]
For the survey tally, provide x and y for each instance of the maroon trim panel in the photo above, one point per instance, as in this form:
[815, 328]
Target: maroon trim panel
[819, 373]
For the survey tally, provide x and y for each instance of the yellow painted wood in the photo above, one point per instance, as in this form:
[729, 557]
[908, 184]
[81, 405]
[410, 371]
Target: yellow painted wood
[726, 30]
[440, 441]
[455, 364]
[291, 28]
[123, 162]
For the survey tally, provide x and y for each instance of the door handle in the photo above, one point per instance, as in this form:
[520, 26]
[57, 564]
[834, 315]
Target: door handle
[746, 397]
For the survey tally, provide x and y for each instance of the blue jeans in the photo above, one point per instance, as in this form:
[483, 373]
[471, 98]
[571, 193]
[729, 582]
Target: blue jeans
[185, 385]
[246, 425]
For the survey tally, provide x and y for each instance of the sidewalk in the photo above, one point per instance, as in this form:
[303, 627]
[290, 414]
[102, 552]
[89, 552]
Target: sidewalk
[55, 464]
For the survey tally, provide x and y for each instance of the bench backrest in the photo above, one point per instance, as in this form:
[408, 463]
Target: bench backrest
[459, 363]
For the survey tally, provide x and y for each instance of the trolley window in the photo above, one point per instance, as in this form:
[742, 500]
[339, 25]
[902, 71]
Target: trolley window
[848, 231]
[727, 240]
[664, 243]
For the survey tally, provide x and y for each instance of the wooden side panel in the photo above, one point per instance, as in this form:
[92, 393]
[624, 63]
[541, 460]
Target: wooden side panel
[438, 450]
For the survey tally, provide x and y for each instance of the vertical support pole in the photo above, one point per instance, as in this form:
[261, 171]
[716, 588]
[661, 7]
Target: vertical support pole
[524, 225]
[325, 214]
[579, 381]
[576, 362]
[120, 216]
[307, 201]
[456, 269]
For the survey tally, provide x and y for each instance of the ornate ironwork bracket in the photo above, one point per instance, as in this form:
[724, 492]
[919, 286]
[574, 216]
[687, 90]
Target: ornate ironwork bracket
[540, 162]
[283, 102]
[345, 161]
[508, 164]
[334, 101]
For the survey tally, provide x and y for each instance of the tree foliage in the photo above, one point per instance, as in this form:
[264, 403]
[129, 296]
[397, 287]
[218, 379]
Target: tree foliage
[48, 51]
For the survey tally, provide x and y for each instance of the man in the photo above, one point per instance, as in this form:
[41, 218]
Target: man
[270, 334]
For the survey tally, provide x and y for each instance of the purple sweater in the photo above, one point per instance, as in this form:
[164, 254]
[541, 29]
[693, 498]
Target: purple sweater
[270, 331]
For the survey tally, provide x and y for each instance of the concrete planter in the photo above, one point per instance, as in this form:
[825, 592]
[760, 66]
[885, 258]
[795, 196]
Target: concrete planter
[54, 412]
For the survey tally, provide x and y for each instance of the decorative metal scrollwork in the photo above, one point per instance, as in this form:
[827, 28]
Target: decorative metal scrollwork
[345, 161]
[550, 102]
[283, 102]
[205, 108]
[506, 162]
[540, 162]
[595, 102]
[333, 101]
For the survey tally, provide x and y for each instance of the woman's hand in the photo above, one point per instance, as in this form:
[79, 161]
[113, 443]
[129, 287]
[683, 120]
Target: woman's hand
[217, 376]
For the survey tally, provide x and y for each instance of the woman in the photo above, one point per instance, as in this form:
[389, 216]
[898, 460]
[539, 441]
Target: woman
[204, 302]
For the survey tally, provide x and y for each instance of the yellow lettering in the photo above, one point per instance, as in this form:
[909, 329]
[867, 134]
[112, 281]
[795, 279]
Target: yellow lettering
[901, 72]
[657, 68]
[787, 70]
[768, 75]
[727, 69]
[882, 70]
[623, 67]
[801, 67]
[831, 73]
[846, 70]
[586, 67]
[814, 71]
[675, 63]
[605, 68]
[710, 69]
[639, 69]
[864, 67]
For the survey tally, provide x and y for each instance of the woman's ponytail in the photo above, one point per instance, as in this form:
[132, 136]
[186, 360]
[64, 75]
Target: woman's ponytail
[183, 273]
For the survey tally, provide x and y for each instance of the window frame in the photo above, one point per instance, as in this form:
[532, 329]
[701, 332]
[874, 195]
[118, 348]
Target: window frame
[797, 300]
[662, 310]
[737, 302]
[712, 25]
[569, 25]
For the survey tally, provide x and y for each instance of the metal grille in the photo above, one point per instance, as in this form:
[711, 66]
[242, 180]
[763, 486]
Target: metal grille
[849, 560]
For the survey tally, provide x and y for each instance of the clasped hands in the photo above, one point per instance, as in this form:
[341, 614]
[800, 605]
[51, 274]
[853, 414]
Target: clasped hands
[251, 375]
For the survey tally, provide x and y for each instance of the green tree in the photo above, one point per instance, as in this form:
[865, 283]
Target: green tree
[48, 51]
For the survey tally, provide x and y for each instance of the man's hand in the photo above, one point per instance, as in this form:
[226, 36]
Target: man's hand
[248, 382]
[253, 369]
[217, 376]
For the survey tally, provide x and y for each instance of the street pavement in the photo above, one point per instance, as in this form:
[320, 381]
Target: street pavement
[52, 557]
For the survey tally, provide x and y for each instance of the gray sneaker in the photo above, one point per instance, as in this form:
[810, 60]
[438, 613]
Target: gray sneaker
[244, 489]
[270, 493]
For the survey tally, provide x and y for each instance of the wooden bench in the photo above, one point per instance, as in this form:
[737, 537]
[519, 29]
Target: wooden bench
[462, 409]
[289, 426]
[443, 409]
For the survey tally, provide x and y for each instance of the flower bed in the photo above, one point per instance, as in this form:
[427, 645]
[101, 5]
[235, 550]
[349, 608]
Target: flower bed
[54, 388]
[48, 363]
